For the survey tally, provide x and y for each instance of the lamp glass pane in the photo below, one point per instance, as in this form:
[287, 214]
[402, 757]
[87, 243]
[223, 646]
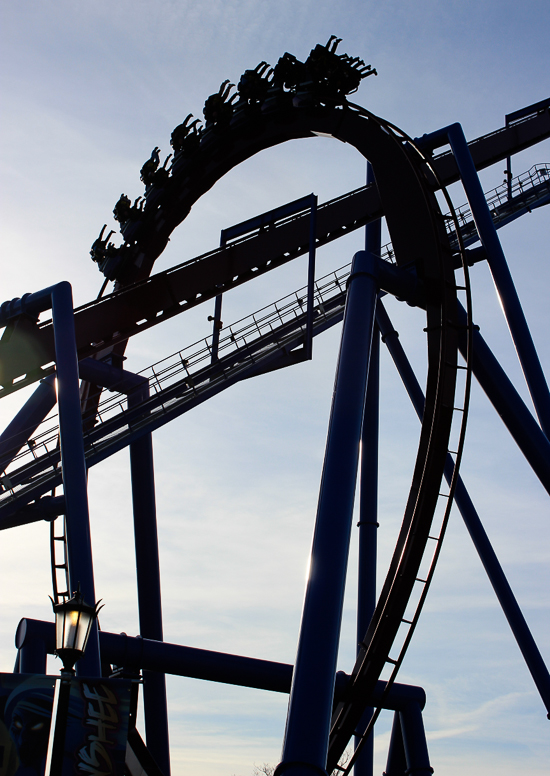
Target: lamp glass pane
[83, 630]
[59, 627]
[70, 631]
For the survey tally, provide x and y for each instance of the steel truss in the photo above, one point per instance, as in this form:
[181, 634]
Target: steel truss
[426, 265]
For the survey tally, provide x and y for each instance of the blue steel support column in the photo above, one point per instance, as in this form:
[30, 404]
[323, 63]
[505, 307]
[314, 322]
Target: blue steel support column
[368, 504]
[414, 741]
[79, 545]
[368, 528]
[481, 541]
[308, 721]
[148, 583]
[397, 763]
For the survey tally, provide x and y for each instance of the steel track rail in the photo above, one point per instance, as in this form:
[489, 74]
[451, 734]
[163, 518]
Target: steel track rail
[267, 352]
[109, 321]
[532, 187]
[416, 531]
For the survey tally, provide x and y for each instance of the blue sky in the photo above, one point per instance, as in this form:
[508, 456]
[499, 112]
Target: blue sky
[87, 92]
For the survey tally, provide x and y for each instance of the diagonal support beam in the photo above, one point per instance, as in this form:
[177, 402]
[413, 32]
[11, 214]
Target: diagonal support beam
[507, 600]
[27, 420]
[513, 311]
[508, 403]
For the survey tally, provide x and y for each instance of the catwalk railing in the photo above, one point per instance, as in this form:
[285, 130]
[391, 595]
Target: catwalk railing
[507, 202]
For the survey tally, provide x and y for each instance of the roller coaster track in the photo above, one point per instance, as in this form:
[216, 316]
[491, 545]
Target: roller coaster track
[27, 351]
[417, 229]
[269, 338]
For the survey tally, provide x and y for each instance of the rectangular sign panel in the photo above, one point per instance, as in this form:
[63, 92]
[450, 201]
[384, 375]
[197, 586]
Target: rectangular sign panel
[96, 731]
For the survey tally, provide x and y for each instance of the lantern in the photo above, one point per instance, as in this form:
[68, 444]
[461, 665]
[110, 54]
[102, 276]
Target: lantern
[73, 622]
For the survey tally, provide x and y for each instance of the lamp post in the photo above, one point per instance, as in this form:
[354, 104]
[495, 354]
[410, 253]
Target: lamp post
[73, 622]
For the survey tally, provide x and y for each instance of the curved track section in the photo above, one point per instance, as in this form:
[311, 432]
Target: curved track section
[26, 349]
[419, 237]
[417, 229]
[410, 551]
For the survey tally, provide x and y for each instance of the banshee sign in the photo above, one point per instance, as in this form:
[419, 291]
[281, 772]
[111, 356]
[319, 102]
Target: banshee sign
[97, 725]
